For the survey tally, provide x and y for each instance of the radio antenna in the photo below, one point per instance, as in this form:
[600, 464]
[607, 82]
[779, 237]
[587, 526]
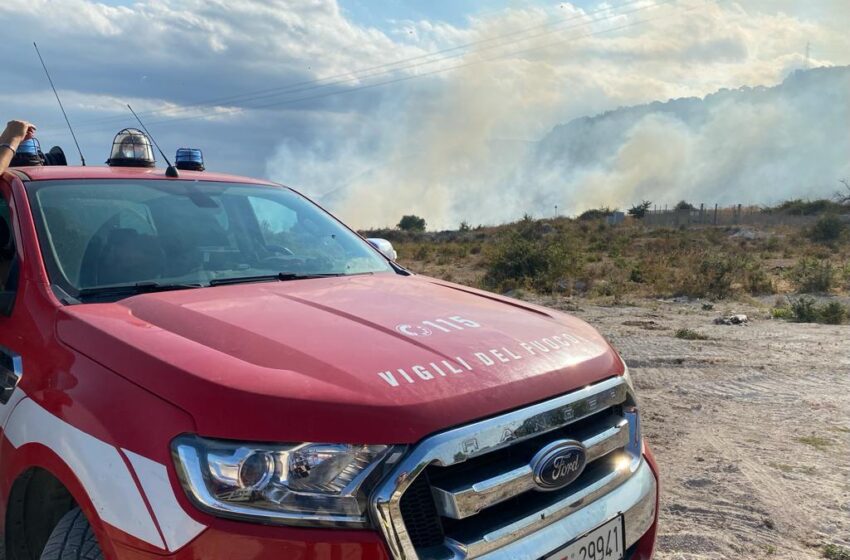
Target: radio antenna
[64, 114]
[171, 171]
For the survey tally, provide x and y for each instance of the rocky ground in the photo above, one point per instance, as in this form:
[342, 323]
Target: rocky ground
[751, 427]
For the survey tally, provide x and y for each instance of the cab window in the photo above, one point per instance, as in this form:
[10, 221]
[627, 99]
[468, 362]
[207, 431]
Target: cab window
[97, 235]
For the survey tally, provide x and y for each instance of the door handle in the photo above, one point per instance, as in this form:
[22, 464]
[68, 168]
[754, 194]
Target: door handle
[11, 368]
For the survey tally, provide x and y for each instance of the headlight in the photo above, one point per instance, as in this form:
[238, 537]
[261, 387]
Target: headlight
[300, 484]
[627, 377]
[632, 414]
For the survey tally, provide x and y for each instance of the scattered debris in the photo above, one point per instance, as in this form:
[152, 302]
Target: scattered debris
[739, 319]
[747, 233]
[707, 306]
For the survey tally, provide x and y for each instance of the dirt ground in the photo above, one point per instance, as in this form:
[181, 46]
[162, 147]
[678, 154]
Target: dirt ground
[751, 428]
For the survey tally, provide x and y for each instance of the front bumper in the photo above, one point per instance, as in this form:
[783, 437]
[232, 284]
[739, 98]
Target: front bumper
[635, 499]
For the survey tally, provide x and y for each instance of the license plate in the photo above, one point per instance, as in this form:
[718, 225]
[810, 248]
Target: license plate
[603, 543]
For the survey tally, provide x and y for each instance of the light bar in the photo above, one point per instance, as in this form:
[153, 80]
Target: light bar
[28, 154]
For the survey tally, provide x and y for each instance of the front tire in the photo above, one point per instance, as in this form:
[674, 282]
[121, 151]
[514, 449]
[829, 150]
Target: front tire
[72, 539]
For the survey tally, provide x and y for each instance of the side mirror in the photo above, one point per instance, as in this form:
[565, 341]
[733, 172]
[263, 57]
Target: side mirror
[384, 246]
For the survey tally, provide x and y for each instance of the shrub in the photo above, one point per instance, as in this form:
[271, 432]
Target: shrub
[411, 223]
[782, 313]
[718, 272]
[712, 275]
[688, 334]
[836, 552]
[800, 207]
[422, 252]
[530, 228]
[833, 313]
[828, 229]
[804, 310]
[515, 259]
[541, 264]
[683, 205]
[636, 275]
[448, 253]
[756, 280]
[595, 214]
[811, 275]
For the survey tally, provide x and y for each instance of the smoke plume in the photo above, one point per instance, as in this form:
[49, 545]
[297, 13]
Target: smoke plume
[481, 143]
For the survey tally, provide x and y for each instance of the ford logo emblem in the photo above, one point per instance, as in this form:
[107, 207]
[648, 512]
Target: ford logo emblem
[558, 464]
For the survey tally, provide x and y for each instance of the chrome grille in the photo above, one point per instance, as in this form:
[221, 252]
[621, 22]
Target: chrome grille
[483, 492]
[482, 483]
[420, 515]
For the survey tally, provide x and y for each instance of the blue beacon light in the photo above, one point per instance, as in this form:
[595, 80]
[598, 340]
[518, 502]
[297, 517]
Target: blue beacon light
[189, 159]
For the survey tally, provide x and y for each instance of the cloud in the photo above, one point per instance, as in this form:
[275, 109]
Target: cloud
[166, 55]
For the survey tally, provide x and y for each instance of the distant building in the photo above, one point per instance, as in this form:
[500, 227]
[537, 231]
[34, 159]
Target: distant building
[615, 218]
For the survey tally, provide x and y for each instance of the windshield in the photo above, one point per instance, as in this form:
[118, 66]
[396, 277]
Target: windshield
[98, 234]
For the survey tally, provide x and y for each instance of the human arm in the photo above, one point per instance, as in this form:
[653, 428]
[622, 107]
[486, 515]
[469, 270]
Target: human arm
[15, 133]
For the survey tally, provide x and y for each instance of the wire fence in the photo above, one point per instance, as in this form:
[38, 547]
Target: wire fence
[725, 216]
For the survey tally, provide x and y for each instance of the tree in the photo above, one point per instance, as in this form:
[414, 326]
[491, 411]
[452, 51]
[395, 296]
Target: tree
[684, 205]
[638, 211]
[411, 223]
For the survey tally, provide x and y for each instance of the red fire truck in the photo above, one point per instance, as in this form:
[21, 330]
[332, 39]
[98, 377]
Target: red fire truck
[204, 366]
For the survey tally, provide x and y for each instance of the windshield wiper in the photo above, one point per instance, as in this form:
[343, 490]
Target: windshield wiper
[280, 276]
[132, 289]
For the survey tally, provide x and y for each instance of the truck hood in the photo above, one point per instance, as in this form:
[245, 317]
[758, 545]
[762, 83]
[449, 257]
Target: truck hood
[367, 359]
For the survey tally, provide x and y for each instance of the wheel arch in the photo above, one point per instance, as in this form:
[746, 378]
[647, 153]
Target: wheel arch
[96, 475]
[37, 501]
[42, 489]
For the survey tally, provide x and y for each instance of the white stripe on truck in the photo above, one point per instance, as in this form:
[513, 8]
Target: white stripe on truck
[106, 479]
[176, 525]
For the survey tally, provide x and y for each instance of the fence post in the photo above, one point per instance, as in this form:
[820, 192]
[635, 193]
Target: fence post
[715, 214]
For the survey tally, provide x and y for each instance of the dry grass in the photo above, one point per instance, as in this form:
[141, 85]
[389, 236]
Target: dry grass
[835, 552]
[818, 442]
[690, 334]
[595, 260]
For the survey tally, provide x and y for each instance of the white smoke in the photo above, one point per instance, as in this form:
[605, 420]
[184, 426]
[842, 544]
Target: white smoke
[477, 144]
[752, 146]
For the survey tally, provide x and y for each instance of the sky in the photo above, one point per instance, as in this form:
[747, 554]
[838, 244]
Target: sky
[379, 108]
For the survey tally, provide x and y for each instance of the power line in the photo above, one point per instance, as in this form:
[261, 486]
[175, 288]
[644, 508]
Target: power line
[366, 73]
[291, 88]
[424, 74]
